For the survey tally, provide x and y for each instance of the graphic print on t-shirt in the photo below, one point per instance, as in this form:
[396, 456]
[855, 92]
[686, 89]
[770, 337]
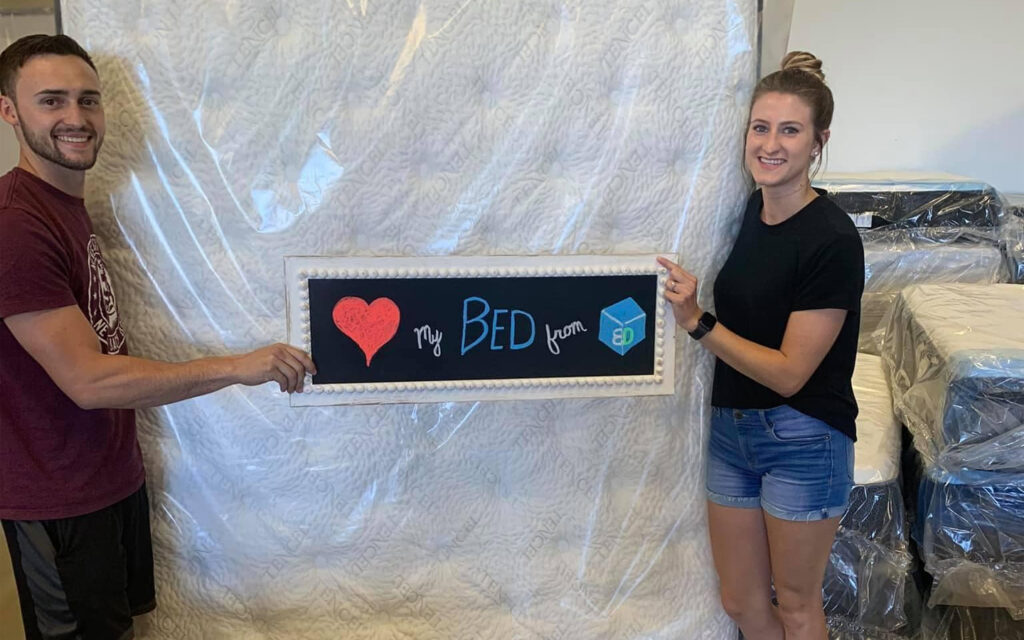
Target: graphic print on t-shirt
[102, 305]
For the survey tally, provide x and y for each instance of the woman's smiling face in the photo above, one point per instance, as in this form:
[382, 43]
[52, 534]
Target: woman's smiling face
[780, 140]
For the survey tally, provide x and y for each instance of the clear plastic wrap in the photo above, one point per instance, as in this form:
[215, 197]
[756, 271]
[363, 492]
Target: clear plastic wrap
[867, 586]
[914, 200]
[1013, 203]
[970, 533]
[954, 356]
[868, 592]
[896, 260]
[1011, 237]
[919, 229]
[241, 133]
[964, 623]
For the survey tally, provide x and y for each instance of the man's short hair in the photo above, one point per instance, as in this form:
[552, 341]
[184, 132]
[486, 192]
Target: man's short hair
[21, 50]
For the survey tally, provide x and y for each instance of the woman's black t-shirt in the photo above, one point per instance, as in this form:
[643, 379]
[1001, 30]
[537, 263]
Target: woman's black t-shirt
[813, 260]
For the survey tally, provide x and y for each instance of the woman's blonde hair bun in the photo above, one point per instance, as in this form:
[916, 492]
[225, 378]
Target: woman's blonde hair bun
[803, 61]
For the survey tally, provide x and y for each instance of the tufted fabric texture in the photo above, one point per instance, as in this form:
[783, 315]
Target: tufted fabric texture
[243, 132]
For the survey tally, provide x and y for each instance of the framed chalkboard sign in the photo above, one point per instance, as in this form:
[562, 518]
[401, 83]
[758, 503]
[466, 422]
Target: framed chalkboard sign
[480, 328]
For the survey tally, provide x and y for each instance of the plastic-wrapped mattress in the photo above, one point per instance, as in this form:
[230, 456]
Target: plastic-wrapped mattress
[954, 356]
[1011, 237]
[866, 581]
[240, 133]
[910, 199]
[919, 228]
[970, 534]
[897, 261]
[970, 623]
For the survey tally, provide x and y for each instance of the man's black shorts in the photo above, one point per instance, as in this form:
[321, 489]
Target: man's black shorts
[84, 577]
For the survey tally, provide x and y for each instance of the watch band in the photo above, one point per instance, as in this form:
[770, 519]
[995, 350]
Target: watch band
[706, 323]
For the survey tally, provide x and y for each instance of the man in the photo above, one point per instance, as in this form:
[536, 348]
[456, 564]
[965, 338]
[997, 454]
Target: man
[72, 496]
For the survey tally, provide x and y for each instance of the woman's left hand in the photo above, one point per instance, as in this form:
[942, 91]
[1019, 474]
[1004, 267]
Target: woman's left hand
[681, 291]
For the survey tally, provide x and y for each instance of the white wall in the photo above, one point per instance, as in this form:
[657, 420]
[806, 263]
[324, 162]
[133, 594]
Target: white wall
[776, 20]
[922, 84]
[13, 27]
[919, 84]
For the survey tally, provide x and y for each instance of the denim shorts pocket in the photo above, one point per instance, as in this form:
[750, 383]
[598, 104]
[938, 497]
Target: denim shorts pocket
[794, 427]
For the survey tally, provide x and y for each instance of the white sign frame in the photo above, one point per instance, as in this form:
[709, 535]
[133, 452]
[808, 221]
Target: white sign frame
[299, 270]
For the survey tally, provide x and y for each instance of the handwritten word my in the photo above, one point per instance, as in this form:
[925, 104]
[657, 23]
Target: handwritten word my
[432, 337]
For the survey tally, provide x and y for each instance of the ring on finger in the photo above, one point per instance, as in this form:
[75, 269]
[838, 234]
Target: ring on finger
[672, 285]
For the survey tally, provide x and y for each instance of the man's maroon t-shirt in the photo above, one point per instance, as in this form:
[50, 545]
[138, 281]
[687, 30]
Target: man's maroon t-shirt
[56, 459]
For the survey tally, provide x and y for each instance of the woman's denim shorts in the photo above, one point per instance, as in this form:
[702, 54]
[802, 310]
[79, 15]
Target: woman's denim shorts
[793, 466]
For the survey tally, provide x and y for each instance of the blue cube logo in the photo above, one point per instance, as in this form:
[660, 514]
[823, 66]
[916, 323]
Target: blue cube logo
[623, 326]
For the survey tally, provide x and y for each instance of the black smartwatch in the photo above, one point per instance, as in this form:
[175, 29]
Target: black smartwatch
[706, 323]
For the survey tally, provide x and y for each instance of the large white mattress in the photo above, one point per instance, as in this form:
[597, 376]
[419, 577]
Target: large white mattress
[243, 132]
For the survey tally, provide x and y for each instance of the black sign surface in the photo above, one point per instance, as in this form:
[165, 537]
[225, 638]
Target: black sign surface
[481, 328]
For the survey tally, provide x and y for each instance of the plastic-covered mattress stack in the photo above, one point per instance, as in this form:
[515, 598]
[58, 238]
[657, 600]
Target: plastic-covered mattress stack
[914, 200]
[954, 355]
[1012, 236]
[919, 229]
[868, 591]
[965, 623]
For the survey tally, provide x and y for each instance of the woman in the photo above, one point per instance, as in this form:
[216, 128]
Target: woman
[780, 460]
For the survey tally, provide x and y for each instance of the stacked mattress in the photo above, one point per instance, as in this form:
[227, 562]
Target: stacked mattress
[954, 355]
[956, 365]
[897, 259]
[967, 623]
[914, 200]
[867, 580]
[918, 229]
[972, 538]
[1012, 235]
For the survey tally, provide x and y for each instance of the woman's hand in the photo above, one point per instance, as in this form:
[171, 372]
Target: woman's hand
[681, 291]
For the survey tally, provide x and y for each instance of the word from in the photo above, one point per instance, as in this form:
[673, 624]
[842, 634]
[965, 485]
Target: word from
[567, 331]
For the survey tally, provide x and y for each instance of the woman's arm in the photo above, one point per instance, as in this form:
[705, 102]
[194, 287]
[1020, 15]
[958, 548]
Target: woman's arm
[808, 337]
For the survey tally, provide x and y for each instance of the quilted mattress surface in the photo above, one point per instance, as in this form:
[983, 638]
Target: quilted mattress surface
[240, 133]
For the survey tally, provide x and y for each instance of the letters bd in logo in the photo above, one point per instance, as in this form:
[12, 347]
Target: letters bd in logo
[623, 326]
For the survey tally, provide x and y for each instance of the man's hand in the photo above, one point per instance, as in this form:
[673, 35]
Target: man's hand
[281, 363]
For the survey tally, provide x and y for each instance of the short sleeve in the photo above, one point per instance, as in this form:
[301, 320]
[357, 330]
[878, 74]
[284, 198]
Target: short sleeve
[833, 277]
[34, 270]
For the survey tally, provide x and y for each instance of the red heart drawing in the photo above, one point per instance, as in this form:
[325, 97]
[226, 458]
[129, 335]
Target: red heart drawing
[371, 326]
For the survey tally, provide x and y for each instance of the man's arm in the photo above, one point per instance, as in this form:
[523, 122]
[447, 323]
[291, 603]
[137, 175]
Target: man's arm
[63, 342]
